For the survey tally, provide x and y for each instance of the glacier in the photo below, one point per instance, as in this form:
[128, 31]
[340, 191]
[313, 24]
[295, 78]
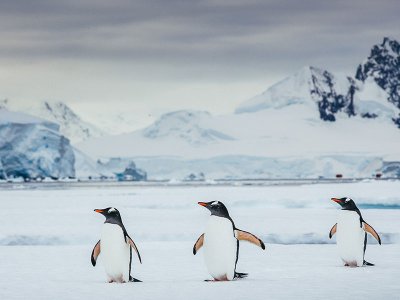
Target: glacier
[239, 167]
[33, 148]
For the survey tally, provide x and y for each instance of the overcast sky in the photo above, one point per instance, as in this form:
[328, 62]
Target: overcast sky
[154, 56]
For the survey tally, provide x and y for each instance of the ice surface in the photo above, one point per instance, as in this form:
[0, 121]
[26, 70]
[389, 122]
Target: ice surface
[237, 167]
[52, 232]
[32, 147]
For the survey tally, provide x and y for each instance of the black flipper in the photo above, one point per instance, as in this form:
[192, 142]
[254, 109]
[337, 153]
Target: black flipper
[198, 244]
[365, 245]
[241, 275]
[333, 231]
[131, 279]
[368, 263]
[133, 245]
[95, 253]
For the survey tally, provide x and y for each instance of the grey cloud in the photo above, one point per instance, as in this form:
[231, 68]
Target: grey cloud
[224, 38]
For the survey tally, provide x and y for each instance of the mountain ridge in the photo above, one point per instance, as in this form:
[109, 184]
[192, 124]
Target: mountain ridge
[71, 124]
[333, 94]
[314, 121]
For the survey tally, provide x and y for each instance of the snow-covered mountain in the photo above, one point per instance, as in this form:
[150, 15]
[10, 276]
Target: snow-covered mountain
[383, 68]
[31, 147]
[313, 123]
[291, 141]
[190, 126]
[71, 125]
[374, 92]
[113, 120]
[329, 93]
[176, 133]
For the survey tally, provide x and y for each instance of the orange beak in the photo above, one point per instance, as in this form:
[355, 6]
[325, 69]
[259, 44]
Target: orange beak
[336, 200]
[202, 204]
[99, 210]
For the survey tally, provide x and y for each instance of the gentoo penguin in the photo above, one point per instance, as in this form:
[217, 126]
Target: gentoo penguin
[115, 246]
[221, 243]
[351, 234]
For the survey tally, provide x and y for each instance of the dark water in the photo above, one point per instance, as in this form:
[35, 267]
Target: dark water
[218, 182]
[378, 206]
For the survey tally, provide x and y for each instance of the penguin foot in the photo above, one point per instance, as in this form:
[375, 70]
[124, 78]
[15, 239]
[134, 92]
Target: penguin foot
[222, 278]
[214, 280]
[241, 275]
[368, 264]
[350, 264]
[131, 279]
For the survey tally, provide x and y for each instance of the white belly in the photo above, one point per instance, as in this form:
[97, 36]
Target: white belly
[220, 248]
[115, 253]
[350, 238]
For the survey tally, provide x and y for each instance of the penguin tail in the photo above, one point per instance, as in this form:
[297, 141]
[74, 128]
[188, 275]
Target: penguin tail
[241, 275]
[131, 279]
[367, 263]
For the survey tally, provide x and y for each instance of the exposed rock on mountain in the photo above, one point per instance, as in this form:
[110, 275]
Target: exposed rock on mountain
[383, 66]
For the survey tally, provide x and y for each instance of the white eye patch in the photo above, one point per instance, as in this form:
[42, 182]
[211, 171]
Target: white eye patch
[214, 203]
[347, 200]
[111, 210]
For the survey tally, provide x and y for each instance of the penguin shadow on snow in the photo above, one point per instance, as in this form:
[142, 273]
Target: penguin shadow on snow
[221, 243]
[115, 246]
[351, 234]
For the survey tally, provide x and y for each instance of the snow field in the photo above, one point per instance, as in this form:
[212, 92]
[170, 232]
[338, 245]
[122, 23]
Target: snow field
[53, 232]
[170, 271]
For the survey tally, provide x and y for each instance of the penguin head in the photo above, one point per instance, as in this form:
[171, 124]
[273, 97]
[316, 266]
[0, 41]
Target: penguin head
[216, 208]
[109, 213]
[346, 203]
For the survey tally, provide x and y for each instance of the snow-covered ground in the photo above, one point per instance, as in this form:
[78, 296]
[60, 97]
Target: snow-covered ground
[47, 234]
